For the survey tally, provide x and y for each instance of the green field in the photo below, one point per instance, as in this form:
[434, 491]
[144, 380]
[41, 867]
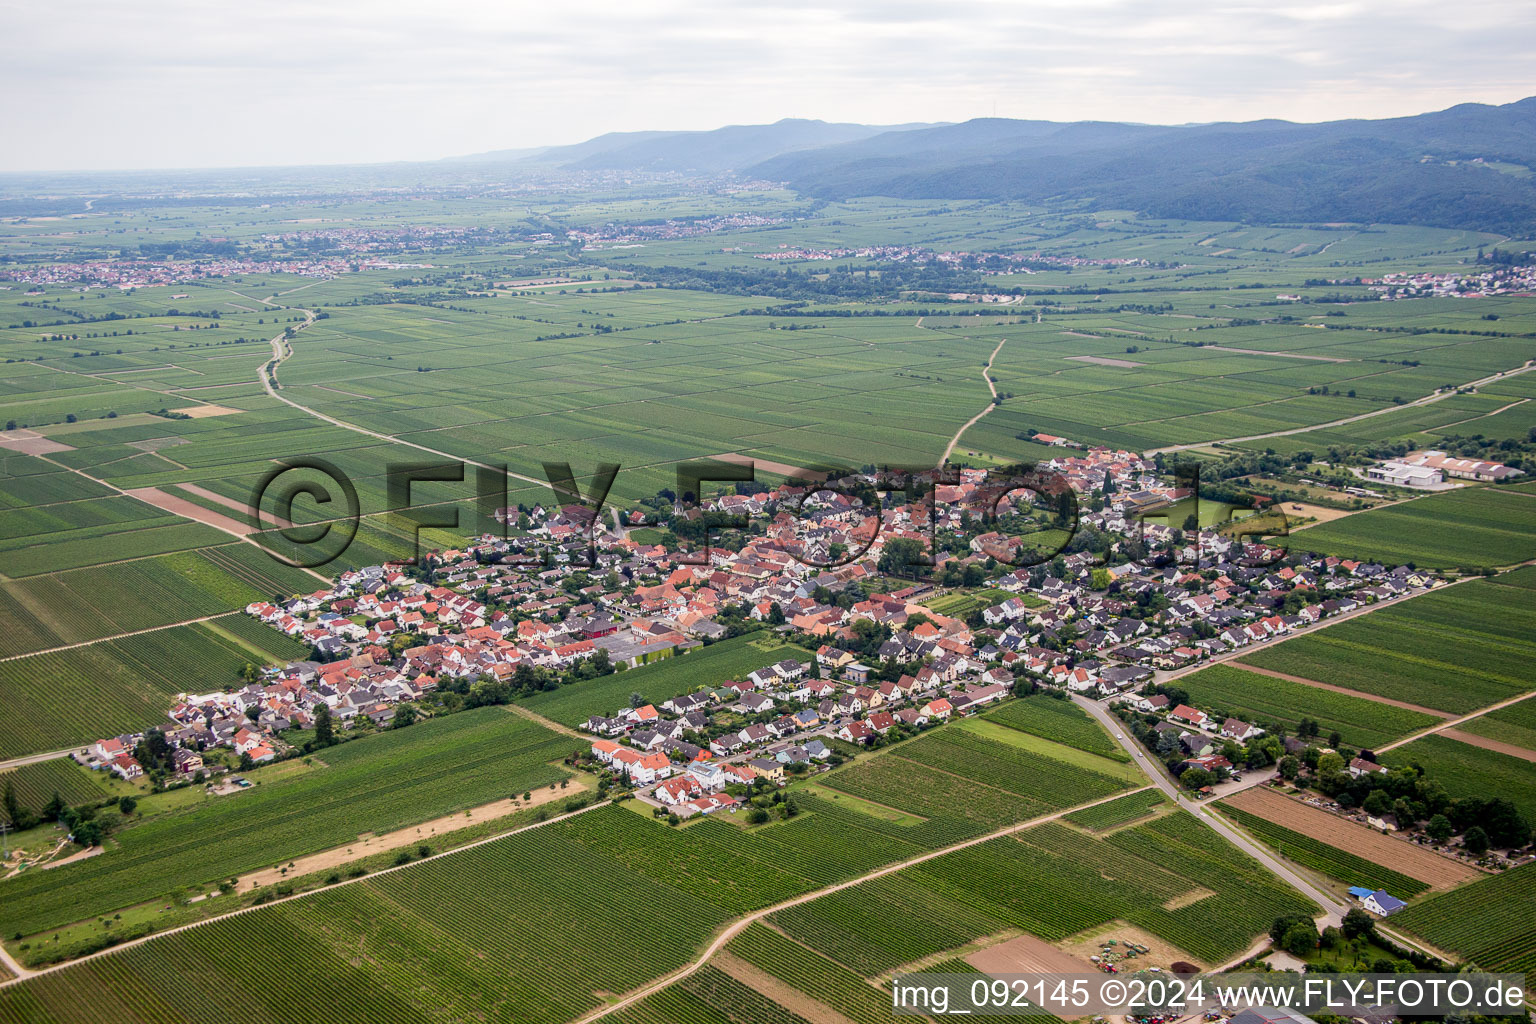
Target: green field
[964, 783]
[1492, 922]
[1330, 860]
[373, 784]
[1513, 724]
[1455, 649]
[1053, 882]
[85, 604]
[1228, 690]
[1465, 770]
[1472, 527]
[35, 784]
[74, 696]
[379, 948]
[1058, 720]
[1126, 809]
[648, 354]
[657, 682]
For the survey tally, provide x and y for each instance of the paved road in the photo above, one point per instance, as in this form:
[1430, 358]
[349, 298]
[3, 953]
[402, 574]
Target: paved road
[52, 755]
[1160, 779]
[1334, 909]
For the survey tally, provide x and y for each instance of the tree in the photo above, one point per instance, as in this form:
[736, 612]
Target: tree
[250, 674]
[1300, 939]
[1290, 767]
[1475, 841]
[775, 614]
[1377, 803]
[127, 804]
[1101, 579]
[325, 732]
[53, 808]
[1357, 923]
[87, 833]
[1195, 778]
[13, 811]
[1439, 828]
[405, 716]
[637, 699]
[899, 556]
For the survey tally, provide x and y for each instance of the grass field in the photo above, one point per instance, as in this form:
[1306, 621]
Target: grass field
[1227, 690]
[1465, 770]
[1471, 527]
[1058, 720]
[964, 783]
[373, 784]
[1455, 649]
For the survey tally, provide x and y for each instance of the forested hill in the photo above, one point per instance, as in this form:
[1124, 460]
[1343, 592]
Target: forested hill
[1408, 170]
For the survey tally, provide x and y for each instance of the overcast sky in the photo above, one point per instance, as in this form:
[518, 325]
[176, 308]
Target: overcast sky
[196, 83]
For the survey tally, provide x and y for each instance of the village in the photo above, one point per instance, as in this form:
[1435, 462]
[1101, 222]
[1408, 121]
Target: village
[566, 599]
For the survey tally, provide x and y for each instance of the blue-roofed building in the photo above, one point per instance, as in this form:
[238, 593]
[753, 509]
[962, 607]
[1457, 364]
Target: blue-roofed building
[1360, 892]
[1383, 903]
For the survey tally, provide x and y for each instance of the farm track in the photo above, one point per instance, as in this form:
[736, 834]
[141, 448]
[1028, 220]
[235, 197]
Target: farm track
[736, 927]
[281, 351]
[1452, 723]
[1421, 709]
[51, 755]
[26, 972]
[114, 636]
[1487, 743]
[1426, 400]
[986, 375]
[124, 492]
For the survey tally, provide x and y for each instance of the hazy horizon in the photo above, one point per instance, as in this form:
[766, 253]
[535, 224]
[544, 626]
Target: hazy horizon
[174, 85]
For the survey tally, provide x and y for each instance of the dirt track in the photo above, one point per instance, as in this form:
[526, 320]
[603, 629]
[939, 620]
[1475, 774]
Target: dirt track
[367, 845]
[182, 507]
[1498, 746]
[1239, 663]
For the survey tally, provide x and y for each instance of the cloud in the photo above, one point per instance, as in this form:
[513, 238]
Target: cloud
[99, 84]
